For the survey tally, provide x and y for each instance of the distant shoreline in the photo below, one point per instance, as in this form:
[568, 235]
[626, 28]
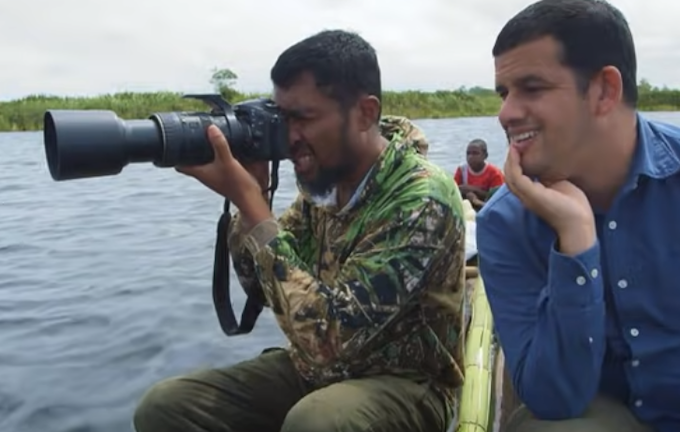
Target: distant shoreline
[26, 114]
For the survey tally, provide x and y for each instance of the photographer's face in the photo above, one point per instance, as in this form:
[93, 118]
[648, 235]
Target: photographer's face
[320, 135]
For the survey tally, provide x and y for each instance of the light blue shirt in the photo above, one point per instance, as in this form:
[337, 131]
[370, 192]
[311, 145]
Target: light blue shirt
[606, 321]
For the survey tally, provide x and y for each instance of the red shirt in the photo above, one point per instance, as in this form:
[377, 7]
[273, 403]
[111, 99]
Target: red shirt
[490, 177]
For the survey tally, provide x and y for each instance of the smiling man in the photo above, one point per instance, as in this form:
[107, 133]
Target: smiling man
[364, 272]
[579, 251]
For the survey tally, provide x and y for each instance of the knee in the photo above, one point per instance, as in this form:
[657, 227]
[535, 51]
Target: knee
[305, 419]
[314, 414]
[160, 406]
[328, 411]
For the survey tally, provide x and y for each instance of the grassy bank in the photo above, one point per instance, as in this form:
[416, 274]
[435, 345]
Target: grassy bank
[26, 114]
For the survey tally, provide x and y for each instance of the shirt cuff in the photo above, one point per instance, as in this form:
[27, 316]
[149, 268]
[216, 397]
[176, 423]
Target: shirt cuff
[260, 235]
[575, 281]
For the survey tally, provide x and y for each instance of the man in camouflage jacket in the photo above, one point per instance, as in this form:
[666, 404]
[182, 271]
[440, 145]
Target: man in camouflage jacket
[369, 296]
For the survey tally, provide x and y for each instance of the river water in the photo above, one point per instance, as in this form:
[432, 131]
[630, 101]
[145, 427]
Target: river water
[105, 283]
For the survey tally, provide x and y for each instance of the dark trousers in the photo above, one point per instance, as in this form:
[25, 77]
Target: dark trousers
[266, 394]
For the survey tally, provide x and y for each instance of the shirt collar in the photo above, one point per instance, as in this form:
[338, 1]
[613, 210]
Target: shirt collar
[654, 157]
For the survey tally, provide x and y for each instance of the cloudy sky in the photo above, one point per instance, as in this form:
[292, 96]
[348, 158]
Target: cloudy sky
[79, 47]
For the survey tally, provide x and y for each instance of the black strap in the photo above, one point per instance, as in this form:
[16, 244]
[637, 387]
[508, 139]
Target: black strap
[221, 286]
[221, 276]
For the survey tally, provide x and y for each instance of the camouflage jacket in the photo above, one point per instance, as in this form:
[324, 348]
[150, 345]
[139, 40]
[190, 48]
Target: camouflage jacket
[375, 287]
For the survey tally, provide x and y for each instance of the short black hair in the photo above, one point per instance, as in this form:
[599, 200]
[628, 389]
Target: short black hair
[478, 142]
[592, 33]
[342, 63]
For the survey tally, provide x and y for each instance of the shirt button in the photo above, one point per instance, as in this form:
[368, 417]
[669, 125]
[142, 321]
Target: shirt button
[581, 280]
[623, 283]
[635, 363]
[634, 332]
[594, 273]
[612, 225]
[638, 403]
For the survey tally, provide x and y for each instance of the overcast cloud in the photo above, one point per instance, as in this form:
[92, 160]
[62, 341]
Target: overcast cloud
[70, 47]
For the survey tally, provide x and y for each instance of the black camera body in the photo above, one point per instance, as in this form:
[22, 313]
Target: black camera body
[95, 143]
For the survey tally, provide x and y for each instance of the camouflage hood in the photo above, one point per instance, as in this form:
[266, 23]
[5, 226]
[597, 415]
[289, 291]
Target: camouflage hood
[402, 131]
[404, 138]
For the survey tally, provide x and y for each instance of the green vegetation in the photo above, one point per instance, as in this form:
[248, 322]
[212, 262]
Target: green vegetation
[26, 114]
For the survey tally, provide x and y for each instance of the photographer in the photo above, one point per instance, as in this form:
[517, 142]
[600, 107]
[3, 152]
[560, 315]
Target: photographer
[364, 272]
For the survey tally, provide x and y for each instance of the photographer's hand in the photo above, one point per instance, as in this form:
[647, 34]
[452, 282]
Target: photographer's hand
[259, 170]
[229, 178]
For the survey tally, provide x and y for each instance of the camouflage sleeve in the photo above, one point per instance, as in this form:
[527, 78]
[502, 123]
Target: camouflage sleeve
[387, 271]
[291, 220]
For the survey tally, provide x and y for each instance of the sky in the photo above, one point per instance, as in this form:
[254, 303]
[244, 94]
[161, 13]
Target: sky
[87, 47]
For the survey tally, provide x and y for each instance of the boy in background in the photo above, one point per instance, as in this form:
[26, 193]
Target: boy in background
[478, 179]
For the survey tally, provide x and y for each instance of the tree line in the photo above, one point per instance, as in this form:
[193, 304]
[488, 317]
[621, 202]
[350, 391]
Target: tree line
[26, 114]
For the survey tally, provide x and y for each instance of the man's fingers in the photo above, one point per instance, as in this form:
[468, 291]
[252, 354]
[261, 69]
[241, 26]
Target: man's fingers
[219, 143]
[188, 170]
[522, 186]
[512, 168]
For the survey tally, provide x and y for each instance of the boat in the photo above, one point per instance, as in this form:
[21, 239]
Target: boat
[487, 398]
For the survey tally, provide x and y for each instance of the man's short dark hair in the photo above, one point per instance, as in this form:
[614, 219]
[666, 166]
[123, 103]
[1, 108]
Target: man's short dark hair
[342, 63]
[592, 33]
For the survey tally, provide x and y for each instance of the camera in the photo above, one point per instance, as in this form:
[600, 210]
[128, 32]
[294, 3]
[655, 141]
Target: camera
[95, 143]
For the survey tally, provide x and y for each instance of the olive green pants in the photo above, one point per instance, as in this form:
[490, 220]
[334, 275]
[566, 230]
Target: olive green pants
[603, 415]
[266, 394]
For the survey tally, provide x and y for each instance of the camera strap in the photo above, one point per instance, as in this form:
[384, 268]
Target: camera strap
[221, 289]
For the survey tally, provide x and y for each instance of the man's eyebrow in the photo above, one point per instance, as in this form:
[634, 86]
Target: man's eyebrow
[522, 81]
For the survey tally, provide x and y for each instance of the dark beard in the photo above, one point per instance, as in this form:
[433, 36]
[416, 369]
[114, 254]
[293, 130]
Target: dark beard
[325, 180]
[327, 177]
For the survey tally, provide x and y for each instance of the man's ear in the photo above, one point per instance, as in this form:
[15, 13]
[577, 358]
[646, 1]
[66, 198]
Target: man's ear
[368, 112]
[606, 90]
